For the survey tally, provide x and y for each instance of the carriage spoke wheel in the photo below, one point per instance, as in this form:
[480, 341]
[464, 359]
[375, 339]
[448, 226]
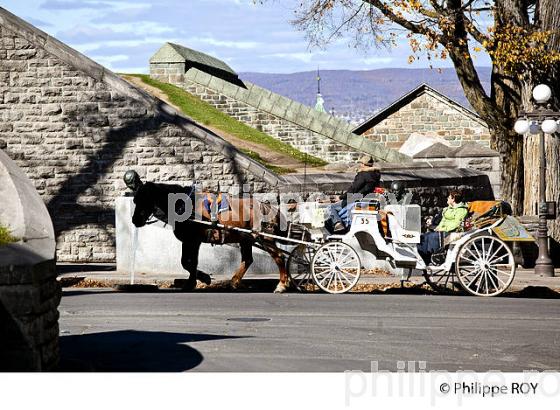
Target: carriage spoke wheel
[485, 266]
[336, 267]
[441, 280]
[299, 268]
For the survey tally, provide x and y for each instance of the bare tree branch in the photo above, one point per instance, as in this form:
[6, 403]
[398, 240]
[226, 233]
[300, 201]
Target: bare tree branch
[401, 20]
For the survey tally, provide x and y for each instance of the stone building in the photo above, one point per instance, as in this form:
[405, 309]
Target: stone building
[425, 111]
[74, 128]
[308, 130]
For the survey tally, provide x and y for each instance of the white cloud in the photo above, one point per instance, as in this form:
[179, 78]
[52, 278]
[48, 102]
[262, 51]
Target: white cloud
[112, 59]
[377, 60]
[84, 48]
[242, 45]
[304, 57]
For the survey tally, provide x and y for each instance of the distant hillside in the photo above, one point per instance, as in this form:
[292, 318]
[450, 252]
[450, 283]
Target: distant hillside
[358, 94]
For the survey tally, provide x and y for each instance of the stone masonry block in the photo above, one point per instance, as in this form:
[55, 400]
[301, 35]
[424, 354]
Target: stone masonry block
[216, 84]
[254, 98]
[241, 94]
[305, 116]
[267, 102]
[280, 106]
[355, 141]
[229, 89]
[202, 78]
[190, 75]
[292, 111]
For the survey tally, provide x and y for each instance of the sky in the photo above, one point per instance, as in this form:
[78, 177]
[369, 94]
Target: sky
[123, 34]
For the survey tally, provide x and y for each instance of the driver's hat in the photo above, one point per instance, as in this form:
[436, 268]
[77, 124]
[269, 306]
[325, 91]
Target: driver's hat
[367, 160]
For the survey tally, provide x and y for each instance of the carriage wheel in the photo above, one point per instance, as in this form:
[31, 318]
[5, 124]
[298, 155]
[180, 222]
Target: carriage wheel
[441, 280]
[485, 266]
[336, 267]
[299, 267]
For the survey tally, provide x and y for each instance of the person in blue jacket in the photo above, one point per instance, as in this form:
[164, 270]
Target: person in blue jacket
[365, 181]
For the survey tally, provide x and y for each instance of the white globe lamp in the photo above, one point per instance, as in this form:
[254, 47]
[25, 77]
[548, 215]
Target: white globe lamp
[542, 93]
[549, 126]
[521, 126]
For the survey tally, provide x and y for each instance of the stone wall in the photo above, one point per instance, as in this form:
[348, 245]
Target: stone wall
[29, 291]
[300, 126]
[298, 137]
[429, 115]
[75, 128]
[29, 298]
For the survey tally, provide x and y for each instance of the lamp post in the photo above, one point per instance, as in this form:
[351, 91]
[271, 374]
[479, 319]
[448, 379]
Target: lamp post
[541, 121]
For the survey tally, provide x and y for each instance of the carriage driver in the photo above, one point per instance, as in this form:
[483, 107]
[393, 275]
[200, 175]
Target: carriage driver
[365, 181]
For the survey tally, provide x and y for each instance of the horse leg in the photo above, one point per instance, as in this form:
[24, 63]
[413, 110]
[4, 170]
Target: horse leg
[246, 261]
[284, 284]
[278, 257]
[189, 261]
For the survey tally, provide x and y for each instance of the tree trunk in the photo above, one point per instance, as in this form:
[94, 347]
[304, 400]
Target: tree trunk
[510, 147]
[506, 95]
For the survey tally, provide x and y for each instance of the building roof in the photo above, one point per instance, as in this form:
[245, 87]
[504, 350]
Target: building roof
[467, 150]
[437, 150]
[407, 99]
[415, 175]
[175, 53]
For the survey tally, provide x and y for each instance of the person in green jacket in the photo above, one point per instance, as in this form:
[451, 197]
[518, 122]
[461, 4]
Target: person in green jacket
[454, 214]
[451, 220]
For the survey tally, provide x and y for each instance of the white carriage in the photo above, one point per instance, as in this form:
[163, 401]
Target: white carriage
[479, 260]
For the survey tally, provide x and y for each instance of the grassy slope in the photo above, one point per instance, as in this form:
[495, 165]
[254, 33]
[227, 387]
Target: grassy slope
[274, 168]
[204, 113]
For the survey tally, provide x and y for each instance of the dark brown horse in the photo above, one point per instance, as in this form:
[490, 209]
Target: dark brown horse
[151, 199]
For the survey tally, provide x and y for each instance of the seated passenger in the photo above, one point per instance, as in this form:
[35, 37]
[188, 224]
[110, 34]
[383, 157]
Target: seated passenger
[365, 181]
[451, 220]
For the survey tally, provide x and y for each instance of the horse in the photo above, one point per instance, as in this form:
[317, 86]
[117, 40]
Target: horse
[151, 199]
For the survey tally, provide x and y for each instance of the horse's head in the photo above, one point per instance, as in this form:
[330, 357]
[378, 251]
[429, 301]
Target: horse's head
[144, 199]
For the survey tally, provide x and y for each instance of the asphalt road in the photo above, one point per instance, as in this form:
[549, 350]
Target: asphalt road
[167, 331]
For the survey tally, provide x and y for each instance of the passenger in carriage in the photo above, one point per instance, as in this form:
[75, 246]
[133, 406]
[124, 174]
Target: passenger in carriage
[451, 220]
[365, 181]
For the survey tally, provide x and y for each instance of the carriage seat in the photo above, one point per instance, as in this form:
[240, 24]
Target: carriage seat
[398, 233]
[484, 213]
[480, 207]
[479, 215]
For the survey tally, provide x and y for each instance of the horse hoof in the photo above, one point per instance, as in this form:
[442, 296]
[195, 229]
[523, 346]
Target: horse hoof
[188, 286]
[237, 285]
[281, 288]
[204, 277]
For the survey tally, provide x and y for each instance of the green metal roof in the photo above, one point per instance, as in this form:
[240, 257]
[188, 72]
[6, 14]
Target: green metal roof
[175, 53]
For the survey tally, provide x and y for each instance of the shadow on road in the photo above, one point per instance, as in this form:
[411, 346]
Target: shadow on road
[132, 351]
[268, 286]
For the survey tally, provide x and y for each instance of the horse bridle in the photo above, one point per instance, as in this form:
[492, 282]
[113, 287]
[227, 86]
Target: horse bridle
[151, 219]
